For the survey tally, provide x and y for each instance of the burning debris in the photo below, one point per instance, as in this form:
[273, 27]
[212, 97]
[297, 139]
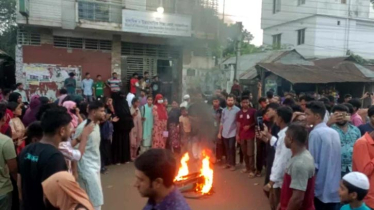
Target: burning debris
[197, 184]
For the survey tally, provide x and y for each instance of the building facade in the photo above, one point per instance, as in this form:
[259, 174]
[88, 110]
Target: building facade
[101, 37]
[318, 29]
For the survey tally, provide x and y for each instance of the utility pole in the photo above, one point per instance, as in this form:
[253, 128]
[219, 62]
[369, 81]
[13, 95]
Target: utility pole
[238, 46]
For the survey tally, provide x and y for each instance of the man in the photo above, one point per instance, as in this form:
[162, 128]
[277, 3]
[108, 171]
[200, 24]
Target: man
[155, 171]
[89, 166]
[269, 95]
[368, 127]
[236, 89]
[347, 98]
[186, 100]
[356, 118]
[8, 165]
[229, 130]
[217, 113]
[282, 154]
[87, 87]
[363, 161]
[155, 86]
[304, 99]
[246, 123]
[19, 89]
[114, 83]
[298, 183]
[348, 134]
[146, 79]
[324, 145]
[40, 160]
[133, 82]
[99, 88]
[70, 83]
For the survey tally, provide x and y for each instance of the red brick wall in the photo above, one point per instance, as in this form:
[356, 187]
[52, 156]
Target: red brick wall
[92, 61]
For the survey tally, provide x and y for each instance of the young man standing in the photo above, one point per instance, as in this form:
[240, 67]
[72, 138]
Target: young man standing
[347, 98]
[114, 83]
[147, 118]
[19, 89]
[40, 160]
[155, 86]
[324, 145]
[87, 87]
[217, 113]
[356, 118]
[70, 83]
[298, 183]
[155, 172]
[99, 88]
[133, 82]
[348, 134]
[8, 165]
[146, 79]
[89, 166]
[246, 124]
[229, 131]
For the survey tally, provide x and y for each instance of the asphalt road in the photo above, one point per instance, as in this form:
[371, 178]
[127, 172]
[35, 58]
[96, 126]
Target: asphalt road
[233, 191]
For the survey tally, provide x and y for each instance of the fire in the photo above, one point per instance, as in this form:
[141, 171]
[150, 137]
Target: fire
[206, 173]
[183, 169]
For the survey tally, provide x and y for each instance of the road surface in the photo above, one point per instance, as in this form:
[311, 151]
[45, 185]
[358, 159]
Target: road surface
[233, 191]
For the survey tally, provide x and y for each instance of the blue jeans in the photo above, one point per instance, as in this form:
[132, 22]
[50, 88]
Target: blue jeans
[230, 150]
[88, 98]
[6, 201]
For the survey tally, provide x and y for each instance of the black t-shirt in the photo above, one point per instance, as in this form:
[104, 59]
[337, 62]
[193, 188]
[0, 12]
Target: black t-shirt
[36, 163]
[156, 87]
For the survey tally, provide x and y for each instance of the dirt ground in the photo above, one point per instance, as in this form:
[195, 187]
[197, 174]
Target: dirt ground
[233, 191]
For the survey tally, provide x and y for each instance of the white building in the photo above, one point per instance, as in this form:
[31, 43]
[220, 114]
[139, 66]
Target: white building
[320, 28]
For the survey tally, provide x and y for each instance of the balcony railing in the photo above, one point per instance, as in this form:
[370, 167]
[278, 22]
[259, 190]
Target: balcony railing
[99, 12]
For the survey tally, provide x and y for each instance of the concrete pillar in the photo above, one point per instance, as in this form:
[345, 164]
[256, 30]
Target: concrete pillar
[116, 54]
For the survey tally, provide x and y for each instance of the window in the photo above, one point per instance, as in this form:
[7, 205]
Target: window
[28, 38]
[343, 1]
[277, 41]
[80, 43]
[301, 36]
[276, 6]
[300, 2]
[93, 11]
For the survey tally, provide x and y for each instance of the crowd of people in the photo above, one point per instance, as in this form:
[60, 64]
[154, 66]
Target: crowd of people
[313, 152]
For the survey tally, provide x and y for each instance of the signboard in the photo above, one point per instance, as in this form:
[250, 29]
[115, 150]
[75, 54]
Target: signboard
[155, 23]
[24, 7]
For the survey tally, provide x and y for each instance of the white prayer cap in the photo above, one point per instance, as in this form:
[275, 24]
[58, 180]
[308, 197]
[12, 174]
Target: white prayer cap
[357, 179]
[186, 97]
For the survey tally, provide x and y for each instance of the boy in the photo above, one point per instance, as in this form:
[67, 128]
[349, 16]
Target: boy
[246, 124]
[185, 129]
[353, 189]
[99, 88]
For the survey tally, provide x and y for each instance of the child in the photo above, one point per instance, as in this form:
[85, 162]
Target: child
[136, 131]
[353, 189]
[185, 129]
[147, 118]
[18, 129]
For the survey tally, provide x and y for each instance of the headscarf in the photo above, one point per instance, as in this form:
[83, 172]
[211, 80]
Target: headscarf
[70, 105]
[30, 115]
[14, 97]
[161, 109]
[44, 100]
[5, 126]
[63, 192]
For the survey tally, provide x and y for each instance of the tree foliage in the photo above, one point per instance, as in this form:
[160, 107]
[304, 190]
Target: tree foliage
[8, 27]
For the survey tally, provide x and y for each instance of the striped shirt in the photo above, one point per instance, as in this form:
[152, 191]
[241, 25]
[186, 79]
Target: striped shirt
[114, 84]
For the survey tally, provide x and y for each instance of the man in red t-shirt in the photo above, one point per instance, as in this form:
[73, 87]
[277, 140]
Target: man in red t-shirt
[133, 82]
[246, 134]
[299, 180]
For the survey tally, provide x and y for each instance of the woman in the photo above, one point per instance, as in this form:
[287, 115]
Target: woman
[63, 192]
[18, 129]
[136, 131]
[30, 115]
[160, 117]
[173, 122]
[71, 106]
[17, 98]
[122, 128]
[5, 128]
[147, 118]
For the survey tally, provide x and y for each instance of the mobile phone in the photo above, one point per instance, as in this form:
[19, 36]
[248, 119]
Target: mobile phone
[260, 123]
[88, 122]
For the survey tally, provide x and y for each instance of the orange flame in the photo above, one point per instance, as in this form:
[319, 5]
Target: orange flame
[207, 173]
[183, 169]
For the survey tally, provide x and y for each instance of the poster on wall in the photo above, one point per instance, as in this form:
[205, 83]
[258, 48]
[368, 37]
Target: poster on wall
[47, 79]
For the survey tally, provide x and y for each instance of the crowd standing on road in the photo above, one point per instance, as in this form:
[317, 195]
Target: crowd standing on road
[317, 154]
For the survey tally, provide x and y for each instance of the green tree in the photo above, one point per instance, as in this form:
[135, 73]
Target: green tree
[8, 26]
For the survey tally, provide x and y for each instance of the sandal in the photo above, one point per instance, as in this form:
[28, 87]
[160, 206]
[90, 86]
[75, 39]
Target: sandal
[251, 175]
[258, 174]
[244, 171]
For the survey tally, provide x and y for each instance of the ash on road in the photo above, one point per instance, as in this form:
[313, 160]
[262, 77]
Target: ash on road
[232, 191]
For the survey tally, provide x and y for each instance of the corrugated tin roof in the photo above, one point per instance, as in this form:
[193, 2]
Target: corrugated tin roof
[321, 74]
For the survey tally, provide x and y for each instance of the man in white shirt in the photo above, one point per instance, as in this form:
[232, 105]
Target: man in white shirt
[19, 89]
[282, 153]
[87, 87]
[129, 98]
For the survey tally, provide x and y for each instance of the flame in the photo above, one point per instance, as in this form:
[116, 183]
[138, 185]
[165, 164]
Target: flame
[183, 169]
[205, 171]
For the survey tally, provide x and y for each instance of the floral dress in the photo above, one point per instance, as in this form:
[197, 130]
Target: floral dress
[159, 126]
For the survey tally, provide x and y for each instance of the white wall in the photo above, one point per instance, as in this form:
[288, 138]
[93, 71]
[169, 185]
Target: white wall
[43, 12]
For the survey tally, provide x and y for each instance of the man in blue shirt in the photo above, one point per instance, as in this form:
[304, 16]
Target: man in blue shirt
[369, 126]
[324, 145]
[87, 87]
[155, 172]
[348, 134]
